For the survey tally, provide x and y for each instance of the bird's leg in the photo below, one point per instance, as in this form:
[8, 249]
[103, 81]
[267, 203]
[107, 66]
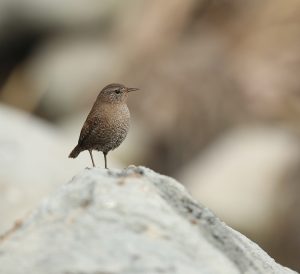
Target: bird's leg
[91, 154]
[105, 160]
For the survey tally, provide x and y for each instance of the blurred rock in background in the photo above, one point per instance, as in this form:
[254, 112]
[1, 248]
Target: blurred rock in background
[33, 155]
[245, 178]
[205, 69]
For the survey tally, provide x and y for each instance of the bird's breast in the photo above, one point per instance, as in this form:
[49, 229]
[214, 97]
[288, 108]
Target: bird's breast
[115, 118]
[115, 126]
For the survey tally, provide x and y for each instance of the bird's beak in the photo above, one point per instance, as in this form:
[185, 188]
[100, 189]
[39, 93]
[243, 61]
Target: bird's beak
[132, 89]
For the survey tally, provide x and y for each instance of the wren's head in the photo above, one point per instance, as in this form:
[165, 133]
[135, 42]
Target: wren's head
[114, 93]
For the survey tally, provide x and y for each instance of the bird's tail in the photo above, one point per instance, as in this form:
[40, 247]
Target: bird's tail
[75, 152]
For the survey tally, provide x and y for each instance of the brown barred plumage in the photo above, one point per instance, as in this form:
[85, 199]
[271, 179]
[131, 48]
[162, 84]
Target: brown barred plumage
[107, 124]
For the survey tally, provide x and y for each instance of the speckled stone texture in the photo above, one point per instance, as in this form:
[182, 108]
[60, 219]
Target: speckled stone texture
[123, 222]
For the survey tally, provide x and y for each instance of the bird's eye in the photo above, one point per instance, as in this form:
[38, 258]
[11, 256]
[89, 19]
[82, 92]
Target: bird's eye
[117, 91]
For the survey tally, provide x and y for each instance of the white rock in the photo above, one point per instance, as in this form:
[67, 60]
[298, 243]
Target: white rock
[238, 177]
[33, 162]
[128, 221]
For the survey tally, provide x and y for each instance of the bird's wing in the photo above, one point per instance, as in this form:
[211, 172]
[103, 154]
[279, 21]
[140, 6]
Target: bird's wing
[87, 130]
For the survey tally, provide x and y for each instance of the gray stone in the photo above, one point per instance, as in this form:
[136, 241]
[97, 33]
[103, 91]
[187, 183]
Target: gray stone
[254, 158]
[27, 144]
[127, 221]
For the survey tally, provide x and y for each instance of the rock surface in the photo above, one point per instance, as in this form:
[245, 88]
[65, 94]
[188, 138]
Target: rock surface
[27, 144]
[127, 221]
[251, 162]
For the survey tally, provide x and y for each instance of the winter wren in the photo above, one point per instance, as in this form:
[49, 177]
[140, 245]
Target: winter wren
[107, 124]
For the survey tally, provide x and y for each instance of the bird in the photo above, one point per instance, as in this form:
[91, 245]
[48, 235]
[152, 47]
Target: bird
[107, 124]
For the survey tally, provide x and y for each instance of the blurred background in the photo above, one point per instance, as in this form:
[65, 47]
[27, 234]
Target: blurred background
[219, 106]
